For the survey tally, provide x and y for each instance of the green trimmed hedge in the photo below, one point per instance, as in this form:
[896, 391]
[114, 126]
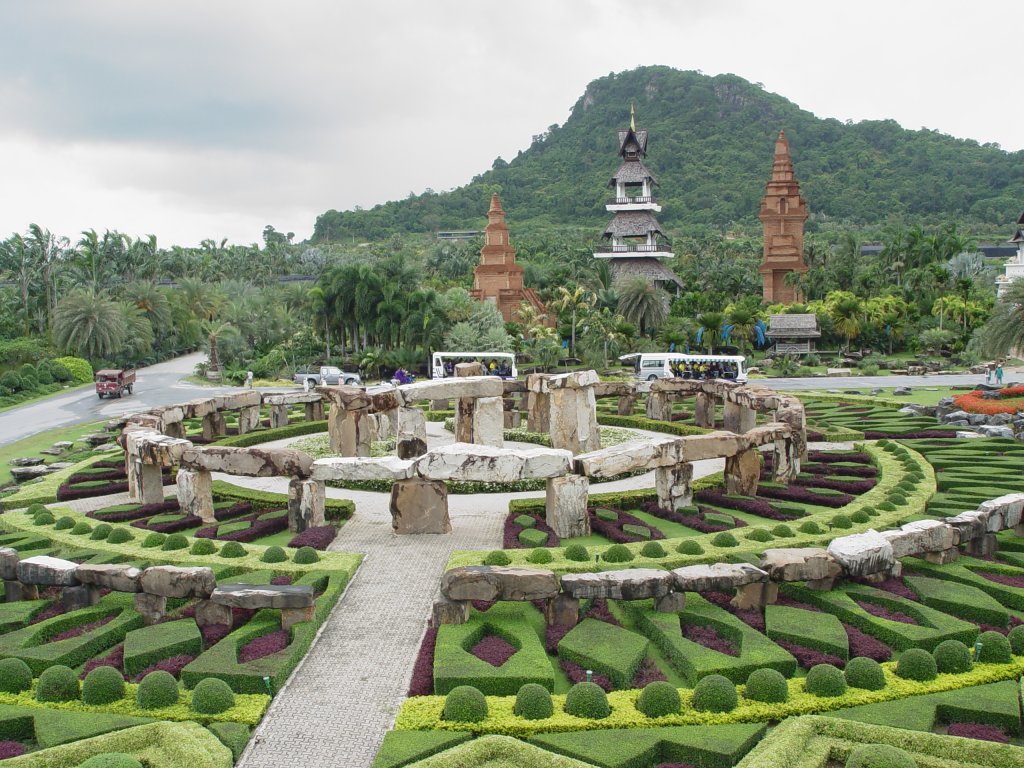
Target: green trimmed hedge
[334, 509]
[611, 651]
[144, 647]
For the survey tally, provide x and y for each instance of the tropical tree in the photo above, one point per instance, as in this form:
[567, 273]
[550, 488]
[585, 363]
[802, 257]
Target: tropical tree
[641, 303]
[711, 324]
[574, 302]
[89, 325]
[847, 314]
[213, 331]
[743, 322]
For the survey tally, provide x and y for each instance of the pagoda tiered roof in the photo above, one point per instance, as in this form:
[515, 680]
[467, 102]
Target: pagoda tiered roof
[633, 224]
[632, 172]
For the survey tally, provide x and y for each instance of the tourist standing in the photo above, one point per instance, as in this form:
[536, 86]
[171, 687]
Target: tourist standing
[999, 373]
[248, 379]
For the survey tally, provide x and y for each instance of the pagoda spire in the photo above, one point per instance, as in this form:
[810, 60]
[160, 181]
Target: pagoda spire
[782, 165]
[632, 116]
[783, 213]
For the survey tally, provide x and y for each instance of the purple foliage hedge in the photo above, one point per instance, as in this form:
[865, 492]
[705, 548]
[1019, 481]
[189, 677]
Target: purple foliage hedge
[809, 657]
[145, 510]
[11, 749]
[829, 457]
[753, 506]
[319, 537]
[264, 645]
[70, 492]
[422, 682]
[612, 529]
[978, 731]
[857, 487]
[494, 650]
[885, 613]
[804, 496]
[578, 674]
[510, 538]
[257, 529]
[174, 665]
[710, 638]
[825, 469]
[695, 521]
[171, 526]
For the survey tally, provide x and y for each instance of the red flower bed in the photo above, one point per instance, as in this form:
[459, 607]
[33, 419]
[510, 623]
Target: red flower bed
[264, 646]
[978, 731]
[494, 650]
[1011, 400]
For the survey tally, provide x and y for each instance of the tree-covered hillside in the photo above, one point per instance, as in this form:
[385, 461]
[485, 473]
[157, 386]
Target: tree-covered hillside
[711, 141]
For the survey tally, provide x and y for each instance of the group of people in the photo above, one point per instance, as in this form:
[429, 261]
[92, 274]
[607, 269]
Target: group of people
[682, 369]
[994, 373]
[491, 367]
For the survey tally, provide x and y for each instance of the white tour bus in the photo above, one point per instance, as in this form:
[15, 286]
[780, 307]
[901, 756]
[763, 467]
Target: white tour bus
[658, 365]
[442, 364]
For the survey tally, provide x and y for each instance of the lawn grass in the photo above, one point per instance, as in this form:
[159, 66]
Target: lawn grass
[31, 446]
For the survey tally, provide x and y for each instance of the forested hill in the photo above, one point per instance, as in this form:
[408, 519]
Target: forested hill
[710, 148]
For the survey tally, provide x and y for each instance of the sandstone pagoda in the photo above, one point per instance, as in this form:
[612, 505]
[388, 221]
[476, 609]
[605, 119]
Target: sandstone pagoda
[783, 213]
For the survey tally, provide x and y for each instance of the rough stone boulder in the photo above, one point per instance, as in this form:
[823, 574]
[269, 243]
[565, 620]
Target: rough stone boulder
[363, 468]
[120, 578]
[484, 463]
[459, 387]
[291, 398]
[922, 536]
[255, 596]
[630, 584]
[1004, 511]
[863, 554]
[346, 397]
[172, 581]
[486, 582]
[9, 559]
[629, 456]
[27, 461]
[21, 474]
[385, 397]
[46, 571]
[716, 577]
[154, 448]
[989, 430]
[795, 564]
[614, 389]
[712, 445]
[251, 462]
[955, 416]
[237, 400]
[971, 525]
[573, 380]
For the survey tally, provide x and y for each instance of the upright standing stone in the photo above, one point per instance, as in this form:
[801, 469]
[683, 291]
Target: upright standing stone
[134, 469]
[573, 412]
[739, 418]
[306, 499]
[791, 413]
[742, 472]
[659, 406]
[412, 433]
[213, 425]
[420, 506]
[151, 484]
[174, 429]
[349, 422]
[315, 411]
[488, 421]
[704, 410]
[195, 493]
[278, 416]
[566, 506]
[248, 419]
[785, 462]
[674, 486]
[626, 405]
[538, 410]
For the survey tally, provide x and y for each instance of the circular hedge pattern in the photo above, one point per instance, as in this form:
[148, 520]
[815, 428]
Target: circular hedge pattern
[1016, 640]
[306, 556]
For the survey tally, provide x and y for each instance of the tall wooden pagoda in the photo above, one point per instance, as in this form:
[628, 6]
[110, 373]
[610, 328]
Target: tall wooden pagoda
[783, 213]
[1015, 266]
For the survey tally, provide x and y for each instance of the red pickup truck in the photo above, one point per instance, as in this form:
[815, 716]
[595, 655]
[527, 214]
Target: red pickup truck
[114, 382]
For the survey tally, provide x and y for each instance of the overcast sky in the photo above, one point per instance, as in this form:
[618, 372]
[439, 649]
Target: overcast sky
[199, 119]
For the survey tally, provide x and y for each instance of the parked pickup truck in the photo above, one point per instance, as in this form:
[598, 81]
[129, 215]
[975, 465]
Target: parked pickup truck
[326, 374]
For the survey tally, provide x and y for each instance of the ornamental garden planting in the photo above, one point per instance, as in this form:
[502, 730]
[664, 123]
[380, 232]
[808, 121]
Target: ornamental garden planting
[852, 601]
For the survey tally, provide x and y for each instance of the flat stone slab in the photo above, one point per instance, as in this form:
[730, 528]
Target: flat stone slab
[922, 536]
[385, 397]
[26, 461]
[172, 581]
[458, 387]
[717, 577]
[487, 582]
[47, 571]
[249, 462]
[573, 380]
[238, 400]
[152, 447]
[291, 398]
[630, 584]
[629, 456]
[799, 564]
[363, 468]
[119, 578]
[484, 463]
[263, 596]
[863, 553]
[345, 396]
[1009, 509]
[21, 474]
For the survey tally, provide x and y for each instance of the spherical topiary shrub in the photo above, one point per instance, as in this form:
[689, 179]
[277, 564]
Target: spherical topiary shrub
[103, 685]
[35, 509]
[306, 556]
[952, 656]
[916, 664]
[809, 527]
[232, 549]
[465, 704]
[879, 756]
[995, 648]
[111, 760]
[870, 511]
[658, 699]
[783, 531]
[759, 534]
[865, 673]
[715, 693]
[886, 506]
[274, 555]
[1016, 640]
[540, 555]
[587, 700]
[203, 547]
[119, 536]
[653, 549]
[15, 676]
[724, 539]
[157, 689]
[212, 696]
[689, 547]
[577, 553]
[43, 518]
[842, 521]
[81, 528]
[101, 531]
[860, 516]
[497, 557]
[57, 683]
[533, 702]
[154, 540]
[767, 685]
[825, 680]
[174, 541]
[617, 553]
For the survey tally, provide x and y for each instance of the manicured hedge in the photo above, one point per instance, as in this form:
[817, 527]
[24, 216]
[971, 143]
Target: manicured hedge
[611, 651]
[145, 647]
[334, 509]
[819, 631]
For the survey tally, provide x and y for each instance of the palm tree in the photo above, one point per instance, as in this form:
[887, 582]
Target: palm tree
[89, 325]
[642, 303]
[743, 322]
[152, 301]
[846, 317]
[575, 302]
[711, 324]
[213, 331]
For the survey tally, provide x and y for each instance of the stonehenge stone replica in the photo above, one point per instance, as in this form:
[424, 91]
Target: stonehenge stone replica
[629, 584]
[119, 578]
[411, 439]
[174, 581]
[573, 411]
[420, 506]
[565, 506]
[462, 461]
[255, 596]
[348, 422]
[249, 462]
[46, 571]
[716, 577]
[865, 554]
[739, 418]
[195, 493]
[742, 471]
[486, 582]
[674, 486]
[9, 559]
[488, 421]
[306, 504]
[390, 468]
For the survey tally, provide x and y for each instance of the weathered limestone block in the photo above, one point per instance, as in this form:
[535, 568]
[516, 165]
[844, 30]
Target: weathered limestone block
[363, 468]
[200, 407]
[250, 462]
[626, 405]
[450, 611]
[483, 463]
[942, 558]
[306, 501]
[213, 425]
[659, 406]
[785, 461]
[673, 602]
[172, 581]
[195, 493]
[9, 559]
[420, 506]
[512, 419]
[344, 396]
[315, 411]
[256, 596]
[76, 598]
[447, 389]
[248, 419]
[119, 577]
[739, 418]
[292, 616]
[704, 410]
[440, 404]
[673, 484]
[237, 400]
[716, 577]
[742, 472]
[971, 525]
[755, 595]
[562, 610]
[26, 461]
[278, 416]
[982, 546]
[921, 536]
[46, 571]
[614, 389]
[295, 398]
[574, 380]
[629, 456]
[152, 607]
[412, 433]
[15, 591]
[208, 613]
[150, 484]
[565, 506]
[799, 564]
[487, 582]
[629, 584]
[23, 474]
[863, 554]
[538, 411]
[712, 445]
[464, 409]
[791, 413]
[1004, 511]
[573, 419]
[174, 429]
[488, 421]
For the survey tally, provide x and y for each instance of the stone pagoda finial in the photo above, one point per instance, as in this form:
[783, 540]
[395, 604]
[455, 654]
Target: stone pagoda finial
[782, 166]
[495, 206]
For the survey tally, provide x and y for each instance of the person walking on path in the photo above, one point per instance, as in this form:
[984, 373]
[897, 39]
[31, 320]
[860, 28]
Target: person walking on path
[999, 374]
[248, 379]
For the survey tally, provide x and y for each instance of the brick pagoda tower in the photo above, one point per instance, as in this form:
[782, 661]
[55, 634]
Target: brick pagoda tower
[783, 213]
[497, 277]
[636, 241]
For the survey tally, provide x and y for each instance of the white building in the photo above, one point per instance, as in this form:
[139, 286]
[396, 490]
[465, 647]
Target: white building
[1015, 266]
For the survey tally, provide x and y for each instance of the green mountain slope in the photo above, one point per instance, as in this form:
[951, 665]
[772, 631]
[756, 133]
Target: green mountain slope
[711, 142]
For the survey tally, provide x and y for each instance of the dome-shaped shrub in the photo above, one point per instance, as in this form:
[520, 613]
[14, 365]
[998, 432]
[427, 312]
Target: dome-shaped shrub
[81, 528]
[111, 760]
[658, 699]
[577, 553]
[203, 547]
[305, 556]
[783, 531]
[212, 696]
[174, 542]
[724, 539]
[689, 547]
[497, 557]
[35, 509]
[158, 689]
[860, 516]
[525, 521]
[617, 553]
[1016, 640]
[587, 700]
[759, 534]
[952, 656]
[715, 693]
[767, 685]
[540, 555]
[825, 680]
[154, 540]
[842, 521]
[43, 518]
[103, 685]
[57, 683]
[101, 531]
[653, 549]
[862, 672]
[995, 648]
[533, 702]
[879, 756]
[809, 526]
[15, 676]
[274, 555]
[232, 549]
[119, 536]
[916, 664]
[870, 511]
[465, 704]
